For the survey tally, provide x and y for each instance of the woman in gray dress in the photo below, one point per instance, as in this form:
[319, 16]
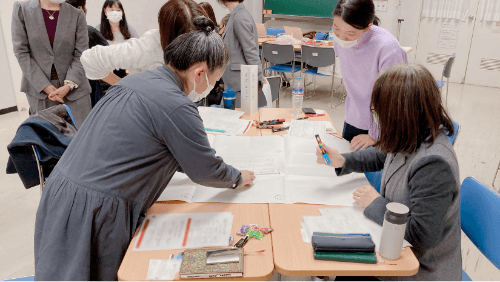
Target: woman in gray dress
[420, 169]
[144, 130]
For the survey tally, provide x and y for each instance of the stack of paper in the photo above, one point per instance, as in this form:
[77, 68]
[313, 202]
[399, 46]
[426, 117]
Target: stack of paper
[223, 121]
[342, 220]
[184, 230]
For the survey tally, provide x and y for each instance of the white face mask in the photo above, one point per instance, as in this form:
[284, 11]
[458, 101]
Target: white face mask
[345, 44]
[114, 16]
[195, 97]
[57, 1]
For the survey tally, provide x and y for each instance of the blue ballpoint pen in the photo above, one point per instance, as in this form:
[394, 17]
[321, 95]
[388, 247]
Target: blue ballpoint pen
[358, 234]
[215, 130]
[325, 155]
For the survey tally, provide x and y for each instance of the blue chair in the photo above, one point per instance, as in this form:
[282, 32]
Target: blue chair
[279, 56]
[26, 278]
[480, 219]
[317, 57]
[275, 31]
[375, 177]
[321, 36]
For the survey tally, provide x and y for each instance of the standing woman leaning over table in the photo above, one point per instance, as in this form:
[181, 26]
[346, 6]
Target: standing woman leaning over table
[420, 169]
[364, 49]
[146, 53]
[49, 38]
[141, 132]
[241, 38]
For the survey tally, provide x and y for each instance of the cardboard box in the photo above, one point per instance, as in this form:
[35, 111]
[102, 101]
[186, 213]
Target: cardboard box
[249, 89]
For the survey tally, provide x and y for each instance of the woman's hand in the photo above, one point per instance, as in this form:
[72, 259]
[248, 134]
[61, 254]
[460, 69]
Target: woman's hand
[336, 159]
[59, 94]
[361, 141]
[49, 89]
[247, 178]
[365, 195]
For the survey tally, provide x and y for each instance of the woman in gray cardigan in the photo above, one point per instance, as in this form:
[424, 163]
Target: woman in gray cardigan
[49, 37]
[420, 169]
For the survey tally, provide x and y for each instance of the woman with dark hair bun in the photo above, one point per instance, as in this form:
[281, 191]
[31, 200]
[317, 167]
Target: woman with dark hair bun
[210, 12]
[114, 26]
[144, 130]
[364, 49]
[420, 170]
[146, 53]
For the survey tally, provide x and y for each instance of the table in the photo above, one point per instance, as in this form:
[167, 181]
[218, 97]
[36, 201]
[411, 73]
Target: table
[258, 266]
[284, 249]
[293, 257]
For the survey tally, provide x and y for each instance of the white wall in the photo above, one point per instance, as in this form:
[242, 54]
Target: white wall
[7, 96]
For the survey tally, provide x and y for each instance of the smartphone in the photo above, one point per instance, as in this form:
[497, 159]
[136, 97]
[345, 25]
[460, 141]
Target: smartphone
[308, 111]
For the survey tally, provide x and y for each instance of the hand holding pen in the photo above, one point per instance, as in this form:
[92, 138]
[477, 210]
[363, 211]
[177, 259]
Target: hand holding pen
[336, 159]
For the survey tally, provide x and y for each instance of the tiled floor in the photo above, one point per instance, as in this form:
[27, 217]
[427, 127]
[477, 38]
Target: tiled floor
[477, 147]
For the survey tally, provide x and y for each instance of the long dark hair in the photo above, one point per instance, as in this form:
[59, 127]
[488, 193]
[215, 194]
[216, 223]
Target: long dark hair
[202, 45]
[210, 11]
[106, 27]
[407, 102]
[175, 18]
[357, 13]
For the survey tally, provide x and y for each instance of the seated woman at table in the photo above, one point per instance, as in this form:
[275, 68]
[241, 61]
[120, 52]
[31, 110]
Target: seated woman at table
[145, 53]
[144, 130]
[420, 168]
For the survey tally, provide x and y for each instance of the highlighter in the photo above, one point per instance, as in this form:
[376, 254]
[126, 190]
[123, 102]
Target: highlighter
[325, 155]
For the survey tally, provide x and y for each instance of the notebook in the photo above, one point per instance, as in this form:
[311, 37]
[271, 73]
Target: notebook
[212, 263]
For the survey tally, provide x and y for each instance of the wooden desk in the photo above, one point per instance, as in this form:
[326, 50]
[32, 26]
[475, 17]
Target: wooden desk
[259, 266]
[293, 257]
[272, 113]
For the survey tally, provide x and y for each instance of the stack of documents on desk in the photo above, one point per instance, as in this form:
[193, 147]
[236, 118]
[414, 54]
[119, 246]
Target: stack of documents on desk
[286, 172]
[218, 119]
[184, 230]
[308, 128]
[342, 220]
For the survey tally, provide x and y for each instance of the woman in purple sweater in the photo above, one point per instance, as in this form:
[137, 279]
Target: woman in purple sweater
[364, 49]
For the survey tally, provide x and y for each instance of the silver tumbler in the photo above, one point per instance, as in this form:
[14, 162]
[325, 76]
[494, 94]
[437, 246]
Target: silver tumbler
[393, 230]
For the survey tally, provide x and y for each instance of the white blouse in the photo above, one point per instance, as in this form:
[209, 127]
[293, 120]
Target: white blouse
[135, 55]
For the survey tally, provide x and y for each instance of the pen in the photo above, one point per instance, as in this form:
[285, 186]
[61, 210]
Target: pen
[358, 234]
[302, 118]
[316, 115]
[273, 121]
[215, 130]
[281, 128]
[325, 155]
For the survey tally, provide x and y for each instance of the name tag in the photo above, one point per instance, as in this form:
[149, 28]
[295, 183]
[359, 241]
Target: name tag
[315, 54]
[275, 52]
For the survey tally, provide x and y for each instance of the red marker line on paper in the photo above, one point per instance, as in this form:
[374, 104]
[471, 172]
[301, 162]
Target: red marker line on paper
[186, 233]
[142, 233]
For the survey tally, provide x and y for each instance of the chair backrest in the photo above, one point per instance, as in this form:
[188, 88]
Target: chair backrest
[318, 56]
[275, 83]
[277, 53]
[447, 66]
[480, 217]
[296, 32]
[453, 138]
[275, 31]
[261, 30]
[321, 36]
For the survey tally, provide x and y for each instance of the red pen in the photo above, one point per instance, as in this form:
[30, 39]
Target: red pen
[316, 115]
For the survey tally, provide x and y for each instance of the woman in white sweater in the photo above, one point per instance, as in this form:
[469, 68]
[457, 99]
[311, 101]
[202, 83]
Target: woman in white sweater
[145, 53]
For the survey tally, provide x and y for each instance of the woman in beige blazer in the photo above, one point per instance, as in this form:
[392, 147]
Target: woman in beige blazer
[49, 37]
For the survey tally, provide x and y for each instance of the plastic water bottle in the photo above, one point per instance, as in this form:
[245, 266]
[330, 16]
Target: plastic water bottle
[330, 35]
[297, 96]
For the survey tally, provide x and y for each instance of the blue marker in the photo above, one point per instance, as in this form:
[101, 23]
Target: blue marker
[215, 130]
[358, 234]
[325, 155]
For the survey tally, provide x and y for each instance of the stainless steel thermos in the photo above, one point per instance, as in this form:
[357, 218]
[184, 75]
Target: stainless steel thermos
[393, 230]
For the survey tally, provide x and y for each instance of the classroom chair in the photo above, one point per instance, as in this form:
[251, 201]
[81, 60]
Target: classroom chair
[275, 83]
[261, 30]
[295, 32]
[275, 31]
[317, 57]
[446, 73]
[375, 177]
[26, 278]
[480, 219]
[279, 56]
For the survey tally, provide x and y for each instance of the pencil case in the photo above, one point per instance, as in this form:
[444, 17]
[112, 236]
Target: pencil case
[348, 257]
[342, 243]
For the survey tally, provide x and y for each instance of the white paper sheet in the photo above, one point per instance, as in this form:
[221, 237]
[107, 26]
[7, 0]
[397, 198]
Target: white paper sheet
[258, 164]
[266, 88]
[180, 188]
[163, 269]
[210, 114]
[307, 129]
[229, 146]
[233, 127]
[184, 230]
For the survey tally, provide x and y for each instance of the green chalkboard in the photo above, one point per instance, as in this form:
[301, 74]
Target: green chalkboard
[311, 8]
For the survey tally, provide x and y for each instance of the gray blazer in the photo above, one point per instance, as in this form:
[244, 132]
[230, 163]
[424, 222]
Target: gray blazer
[428, 183]
[242, 42]
[36, 56]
